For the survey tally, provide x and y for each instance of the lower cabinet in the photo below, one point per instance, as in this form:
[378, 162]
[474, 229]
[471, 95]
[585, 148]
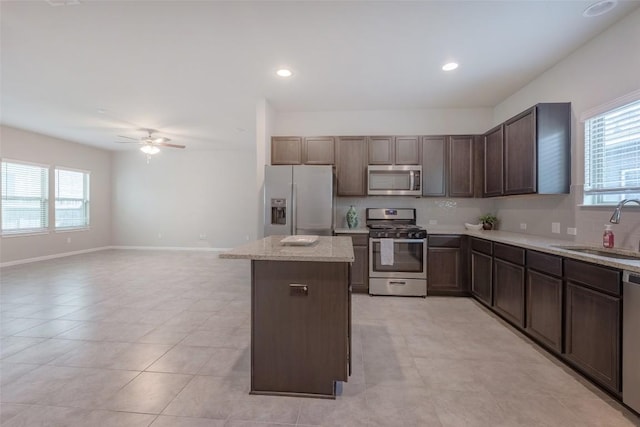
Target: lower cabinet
[446, 274]
[360, 267]
[544, 293]
[481, 270]
[508, 283]
[593, 319]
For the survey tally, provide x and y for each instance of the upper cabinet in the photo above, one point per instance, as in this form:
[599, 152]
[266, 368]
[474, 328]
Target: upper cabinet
[532, 152]
[394, 150]
[448, 166]
[351, 167]
[295, 150]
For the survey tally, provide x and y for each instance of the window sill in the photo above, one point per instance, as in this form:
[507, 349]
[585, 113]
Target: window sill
[71, 229]
[608, 207]
[23, 233]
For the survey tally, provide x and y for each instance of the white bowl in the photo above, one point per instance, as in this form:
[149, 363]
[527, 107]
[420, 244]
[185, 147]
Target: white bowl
[473, 226]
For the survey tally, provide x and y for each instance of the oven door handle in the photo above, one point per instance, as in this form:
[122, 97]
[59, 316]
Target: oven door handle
[399, 240]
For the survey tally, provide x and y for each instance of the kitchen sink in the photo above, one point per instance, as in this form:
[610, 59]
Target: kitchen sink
[616, 253]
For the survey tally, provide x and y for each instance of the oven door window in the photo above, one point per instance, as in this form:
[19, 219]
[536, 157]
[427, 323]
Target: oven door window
[408, 257]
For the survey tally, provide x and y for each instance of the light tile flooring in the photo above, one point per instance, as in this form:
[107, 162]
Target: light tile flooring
[139, 338]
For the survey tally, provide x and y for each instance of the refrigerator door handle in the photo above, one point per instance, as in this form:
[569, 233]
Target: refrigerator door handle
[294, 209]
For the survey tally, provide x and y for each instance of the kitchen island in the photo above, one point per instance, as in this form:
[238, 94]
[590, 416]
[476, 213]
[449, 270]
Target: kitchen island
[300, 315]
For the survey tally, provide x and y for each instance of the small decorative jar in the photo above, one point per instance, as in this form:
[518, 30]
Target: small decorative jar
[352, 217]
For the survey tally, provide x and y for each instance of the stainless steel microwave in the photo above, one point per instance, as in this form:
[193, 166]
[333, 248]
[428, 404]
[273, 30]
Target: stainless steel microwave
[394, 180]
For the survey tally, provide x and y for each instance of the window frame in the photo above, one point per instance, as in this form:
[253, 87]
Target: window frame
[86, 200]
[44, 201]
[595, 196]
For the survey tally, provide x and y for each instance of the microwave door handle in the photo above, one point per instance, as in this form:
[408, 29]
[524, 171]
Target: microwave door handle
[411, 180]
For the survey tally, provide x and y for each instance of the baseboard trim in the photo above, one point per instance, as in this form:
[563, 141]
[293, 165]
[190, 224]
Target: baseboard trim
[103, 248]
[53, 256]
[170, 248]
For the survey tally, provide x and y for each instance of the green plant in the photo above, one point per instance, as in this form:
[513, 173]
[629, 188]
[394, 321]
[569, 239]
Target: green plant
[489, 219]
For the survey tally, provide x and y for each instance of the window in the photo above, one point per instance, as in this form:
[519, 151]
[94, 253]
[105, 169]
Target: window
[612, 155]
[25, 204]
[72, 199]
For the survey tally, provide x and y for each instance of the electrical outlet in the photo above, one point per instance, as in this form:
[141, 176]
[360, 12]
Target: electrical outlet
[572, 230]
[246, 237]
[202, 236]
[159, 235]
[523, 226]
[68, 239]
[555, 227]
[433, 221]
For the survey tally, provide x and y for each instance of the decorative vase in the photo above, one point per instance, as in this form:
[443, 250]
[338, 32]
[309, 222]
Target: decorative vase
[352, 217]
[487, 226]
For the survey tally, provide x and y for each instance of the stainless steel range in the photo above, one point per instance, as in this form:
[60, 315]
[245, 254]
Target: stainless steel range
[397, 253]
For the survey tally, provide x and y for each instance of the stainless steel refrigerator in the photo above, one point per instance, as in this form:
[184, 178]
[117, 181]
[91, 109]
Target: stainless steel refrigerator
[298, 200]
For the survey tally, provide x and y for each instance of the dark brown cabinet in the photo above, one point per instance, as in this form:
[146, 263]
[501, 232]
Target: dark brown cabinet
[481, 270]
[318, 150]
[448, 166]
[300, 327]
[508, 283]
[286, 150]
[351, 167]
[446, 272]
[544, 293]
[530, 153]
[295, 150]
[390, 150]
[360, 266]
[493, 173]
[593, 322]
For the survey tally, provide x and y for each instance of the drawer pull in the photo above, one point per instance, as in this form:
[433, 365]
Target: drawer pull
[297, 289]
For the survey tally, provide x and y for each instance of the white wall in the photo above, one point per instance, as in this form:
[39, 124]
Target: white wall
[183, 194]
[32, 147]
[605, 68]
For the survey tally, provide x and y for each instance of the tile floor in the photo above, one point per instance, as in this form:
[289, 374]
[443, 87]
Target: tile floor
[150, 338]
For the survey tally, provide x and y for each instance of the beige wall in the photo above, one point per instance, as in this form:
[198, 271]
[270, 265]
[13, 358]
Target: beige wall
[184, 198]
[16, 144]
[602, 70]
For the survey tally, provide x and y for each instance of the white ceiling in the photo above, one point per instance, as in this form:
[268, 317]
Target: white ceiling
[195, 69]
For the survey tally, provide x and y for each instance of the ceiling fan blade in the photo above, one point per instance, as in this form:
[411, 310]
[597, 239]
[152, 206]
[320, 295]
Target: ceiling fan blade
[164, 144]
[128, 137]
[161, 140]
[127, 142]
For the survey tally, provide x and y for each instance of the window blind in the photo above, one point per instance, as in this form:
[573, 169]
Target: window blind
[24, 197]
[612, 155]
[72, 198]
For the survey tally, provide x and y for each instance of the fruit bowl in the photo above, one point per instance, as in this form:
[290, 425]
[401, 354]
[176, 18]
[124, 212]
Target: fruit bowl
[475, 227]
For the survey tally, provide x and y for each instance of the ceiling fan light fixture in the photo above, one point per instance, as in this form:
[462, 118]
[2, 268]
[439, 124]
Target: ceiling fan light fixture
[149, 149]
[284, 72]
[599, 8]
[450, 66]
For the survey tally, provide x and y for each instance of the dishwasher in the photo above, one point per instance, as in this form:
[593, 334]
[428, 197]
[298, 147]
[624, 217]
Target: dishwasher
[631, 340]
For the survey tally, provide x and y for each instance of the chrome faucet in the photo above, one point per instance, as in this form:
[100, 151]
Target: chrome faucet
[615, 218]
[617, 213]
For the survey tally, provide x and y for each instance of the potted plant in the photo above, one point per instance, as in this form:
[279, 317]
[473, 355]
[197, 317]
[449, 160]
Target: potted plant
[489, 221]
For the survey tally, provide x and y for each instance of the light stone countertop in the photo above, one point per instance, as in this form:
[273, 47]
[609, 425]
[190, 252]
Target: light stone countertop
[326, 249]
[545, 244]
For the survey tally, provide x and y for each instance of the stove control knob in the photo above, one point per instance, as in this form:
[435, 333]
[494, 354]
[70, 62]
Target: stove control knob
[398, 234]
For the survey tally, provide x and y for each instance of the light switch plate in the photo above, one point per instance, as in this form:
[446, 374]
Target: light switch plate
[572, 230]
[555, 227]
[523, 226]
[433, 221]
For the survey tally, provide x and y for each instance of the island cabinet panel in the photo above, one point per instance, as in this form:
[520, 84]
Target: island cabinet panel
[544, 299]
[299, 327]
[351, 167]
[360, 266]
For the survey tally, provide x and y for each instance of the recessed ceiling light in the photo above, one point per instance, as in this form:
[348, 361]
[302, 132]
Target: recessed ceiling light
[450, 66]
[599, 8]
[284, 72]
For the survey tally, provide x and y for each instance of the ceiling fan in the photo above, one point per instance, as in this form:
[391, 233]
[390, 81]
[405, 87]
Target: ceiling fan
[150, 144]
